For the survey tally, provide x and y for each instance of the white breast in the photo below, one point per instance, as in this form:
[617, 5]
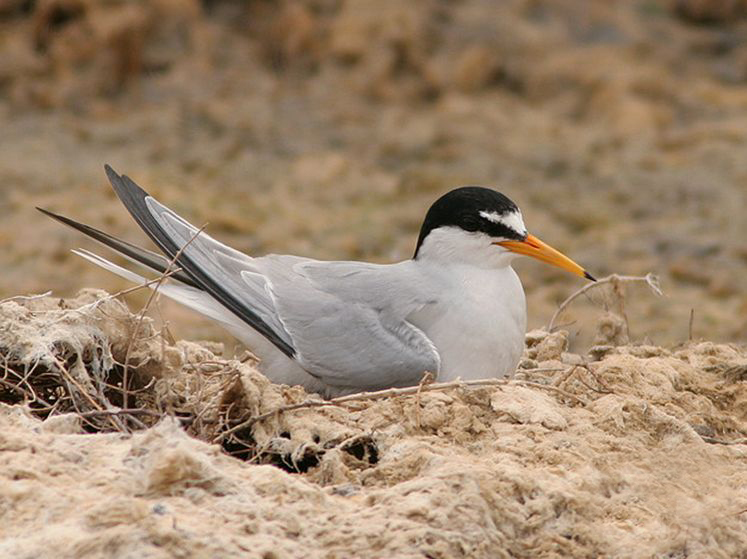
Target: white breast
[478, 322]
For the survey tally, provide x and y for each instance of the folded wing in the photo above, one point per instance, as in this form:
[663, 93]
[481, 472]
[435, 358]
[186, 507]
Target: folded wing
[349, 322]
[343, 322]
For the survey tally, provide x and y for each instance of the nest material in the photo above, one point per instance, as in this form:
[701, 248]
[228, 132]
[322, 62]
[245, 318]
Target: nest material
[576, 456]
[115, 371]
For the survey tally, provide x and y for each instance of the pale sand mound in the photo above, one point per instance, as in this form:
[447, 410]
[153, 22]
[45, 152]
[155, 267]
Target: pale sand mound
[626, 456]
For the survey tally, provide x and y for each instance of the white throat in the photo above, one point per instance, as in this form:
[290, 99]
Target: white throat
[453, 245]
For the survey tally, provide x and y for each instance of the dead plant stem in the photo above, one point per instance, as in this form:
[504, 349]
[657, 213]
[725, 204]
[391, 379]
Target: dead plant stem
[649, 279]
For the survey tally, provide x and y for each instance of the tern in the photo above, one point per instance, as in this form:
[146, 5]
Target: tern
[455, 309]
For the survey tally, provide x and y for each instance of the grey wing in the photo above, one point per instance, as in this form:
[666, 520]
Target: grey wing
[348, 321]
[343, 322]
[212, 266]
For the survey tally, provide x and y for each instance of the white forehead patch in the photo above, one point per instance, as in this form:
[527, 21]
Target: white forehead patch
[512, 220]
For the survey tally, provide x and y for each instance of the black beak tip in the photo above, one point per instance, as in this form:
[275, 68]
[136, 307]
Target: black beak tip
[588, 276]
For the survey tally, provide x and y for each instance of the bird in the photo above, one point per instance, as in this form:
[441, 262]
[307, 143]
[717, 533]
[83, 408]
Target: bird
[456, 309]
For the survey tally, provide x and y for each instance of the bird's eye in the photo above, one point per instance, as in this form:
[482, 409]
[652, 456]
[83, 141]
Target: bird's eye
[470, 223]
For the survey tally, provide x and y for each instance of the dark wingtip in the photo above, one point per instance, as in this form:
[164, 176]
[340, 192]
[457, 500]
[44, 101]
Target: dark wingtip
[50, 214]
[588, 276]
[111, 173]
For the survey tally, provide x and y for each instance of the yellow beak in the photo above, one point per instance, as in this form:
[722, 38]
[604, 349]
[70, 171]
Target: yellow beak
[535, 248]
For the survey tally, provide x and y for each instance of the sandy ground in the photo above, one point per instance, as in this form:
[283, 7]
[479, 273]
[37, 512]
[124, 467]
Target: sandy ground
[326, 128]
[638, 451]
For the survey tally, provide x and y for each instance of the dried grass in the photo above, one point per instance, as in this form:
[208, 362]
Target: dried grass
[576, 456]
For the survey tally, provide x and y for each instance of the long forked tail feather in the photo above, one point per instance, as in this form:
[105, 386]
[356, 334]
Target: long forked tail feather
[134, 253]
[187, 295]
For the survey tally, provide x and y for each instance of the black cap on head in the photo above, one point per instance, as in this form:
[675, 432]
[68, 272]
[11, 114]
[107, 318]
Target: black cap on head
[464, 208]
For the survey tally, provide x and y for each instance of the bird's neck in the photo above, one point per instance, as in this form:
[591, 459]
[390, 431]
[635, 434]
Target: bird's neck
[453, 246]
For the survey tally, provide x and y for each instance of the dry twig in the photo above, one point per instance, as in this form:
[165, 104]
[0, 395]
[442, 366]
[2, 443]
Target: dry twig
[428, 378]
[158, 282]
[26, 297]
[131, 411]
[690, 326]
[649, 279]
[713, 440]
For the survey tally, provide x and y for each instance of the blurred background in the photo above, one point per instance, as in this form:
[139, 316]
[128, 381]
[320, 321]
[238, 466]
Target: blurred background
[327, 127]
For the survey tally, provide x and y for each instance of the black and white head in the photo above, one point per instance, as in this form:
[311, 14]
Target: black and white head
[482, 227]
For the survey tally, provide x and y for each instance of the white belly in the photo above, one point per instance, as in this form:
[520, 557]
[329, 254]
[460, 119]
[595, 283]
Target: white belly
[478, 326]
